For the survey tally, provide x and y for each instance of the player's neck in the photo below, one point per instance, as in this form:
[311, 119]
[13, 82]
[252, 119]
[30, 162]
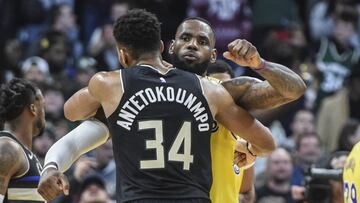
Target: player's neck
[23, 131]
[152, 60]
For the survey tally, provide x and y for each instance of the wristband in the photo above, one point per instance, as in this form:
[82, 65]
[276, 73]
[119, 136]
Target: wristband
[1, 198]
[49, 165]
[262, 66]
[248, 146]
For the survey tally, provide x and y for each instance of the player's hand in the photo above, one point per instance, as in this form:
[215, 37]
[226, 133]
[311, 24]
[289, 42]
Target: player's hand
[242, 156]
[244, 54]
[52, 183]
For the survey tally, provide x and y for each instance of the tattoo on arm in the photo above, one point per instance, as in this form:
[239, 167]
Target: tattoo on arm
[284, 81]
[10, 162]
[281, 86]
[237, 87]
[262, 96]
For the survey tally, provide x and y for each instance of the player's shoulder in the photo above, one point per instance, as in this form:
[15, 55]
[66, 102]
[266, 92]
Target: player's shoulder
[10, 153]
[104, 79]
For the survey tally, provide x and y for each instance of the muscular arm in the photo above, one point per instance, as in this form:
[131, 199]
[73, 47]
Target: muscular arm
[281, 86]
[81, 106]
[240, 121]
[10, 162]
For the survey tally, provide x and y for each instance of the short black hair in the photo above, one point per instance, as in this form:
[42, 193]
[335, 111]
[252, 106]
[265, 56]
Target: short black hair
[220, 66]
[14, 97]
[201, 20]
[138, 30]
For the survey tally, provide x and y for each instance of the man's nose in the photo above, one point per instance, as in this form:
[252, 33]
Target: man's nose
[192, 44]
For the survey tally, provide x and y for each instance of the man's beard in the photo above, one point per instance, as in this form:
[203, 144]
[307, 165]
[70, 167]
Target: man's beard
[40, 127]
[197, 68]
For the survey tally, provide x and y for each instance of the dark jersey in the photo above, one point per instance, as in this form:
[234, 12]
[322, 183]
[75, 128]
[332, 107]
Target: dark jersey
[161, 137]
[23, 188]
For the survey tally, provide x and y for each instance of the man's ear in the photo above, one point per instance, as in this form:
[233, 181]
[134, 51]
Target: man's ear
[171, 47]
[122, 57]
[32, 108]
[213, 56]
[161, 46]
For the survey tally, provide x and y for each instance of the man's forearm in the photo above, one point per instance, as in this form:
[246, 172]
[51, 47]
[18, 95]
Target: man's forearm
[280, 87]
[87, 136]
[286, 82]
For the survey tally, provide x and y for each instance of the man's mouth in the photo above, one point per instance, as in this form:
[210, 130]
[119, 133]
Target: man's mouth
[190, 57]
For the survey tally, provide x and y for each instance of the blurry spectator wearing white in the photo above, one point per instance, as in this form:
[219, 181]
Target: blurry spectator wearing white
[337, 57]
[322, 22]
[36, 70]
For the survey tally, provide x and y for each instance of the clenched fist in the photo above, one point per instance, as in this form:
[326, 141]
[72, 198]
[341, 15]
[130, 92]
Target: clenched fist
[242, 157]
[52, 183]
[243, 53]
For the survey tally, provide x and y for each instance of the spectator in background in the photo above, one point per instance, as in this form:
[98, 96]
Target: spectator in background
[231, 20]
[101, 165]
[54, 101]
[349, 135]
[36, 70]
[93, 191]
[322, 22]
[85, 69]
[307, 153]
[337, 109]
[337, 57]
[42, 144]
[106, 166]
[102, 43]
[63, 19]
[55, 49]
[303, 122]
[13, 55]
[278, 174]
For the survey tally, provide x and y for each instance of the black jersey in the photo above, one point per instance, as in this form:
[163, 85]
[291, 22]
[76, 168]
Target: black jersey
[23, 188]
[161, 137]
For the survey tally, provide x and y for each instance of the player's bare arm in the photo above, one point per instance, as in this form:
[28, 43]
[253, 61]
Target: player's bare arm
[12, 162]
[85, 102]
[237, 119]
[281, 86]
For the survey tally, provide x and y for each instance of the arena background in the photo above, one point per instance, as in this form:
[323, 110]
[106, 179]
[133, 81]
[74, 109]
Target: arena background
[60, 44]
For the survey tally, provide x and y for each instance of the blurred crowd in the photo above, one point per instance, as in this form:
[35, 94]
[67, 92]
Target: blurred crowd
[60, 44]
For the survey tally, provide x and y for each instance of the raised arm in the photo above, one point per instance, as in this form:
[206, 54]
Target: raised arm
[281, 86]
[11, 159]
[238, 120]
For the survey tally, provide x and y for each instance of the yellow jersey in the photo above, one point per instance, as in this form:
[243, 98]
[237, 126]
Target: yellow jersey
[351, 176]
[226, 177]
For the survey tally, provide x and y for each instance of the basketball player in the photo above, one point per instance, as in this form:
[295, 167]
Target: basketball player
[160, 120]
[228, 180]
[351, 176]
[189, 53]
[22, 109]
